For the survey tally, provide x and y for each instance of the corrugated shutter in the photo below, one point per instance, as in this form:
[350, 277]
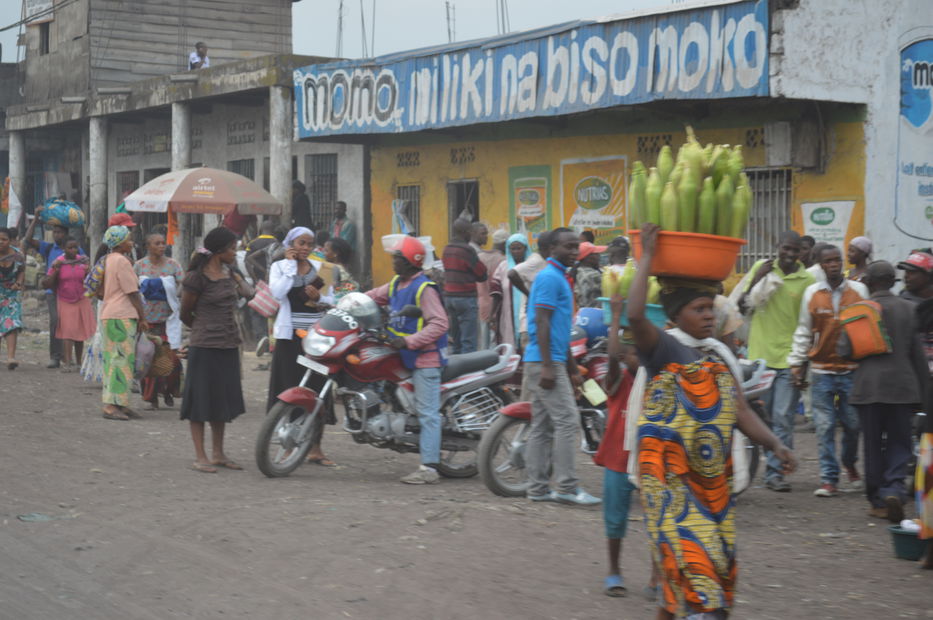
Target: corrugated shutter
[770, 216]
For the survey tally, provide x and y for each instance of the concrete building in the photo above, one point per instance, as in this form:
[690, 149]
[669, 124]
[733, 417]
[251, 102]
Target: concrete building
[508, 129]
[109, 103]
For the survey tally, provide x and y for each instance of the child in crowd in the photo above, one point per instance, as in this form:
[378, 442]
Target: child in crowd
[617, 489]
[76, 322]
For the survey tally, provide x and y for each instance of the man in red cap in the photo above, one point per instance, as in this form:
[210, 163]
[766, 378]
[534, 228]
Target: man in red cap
[918, 277]
[422, 343]
[588, 277]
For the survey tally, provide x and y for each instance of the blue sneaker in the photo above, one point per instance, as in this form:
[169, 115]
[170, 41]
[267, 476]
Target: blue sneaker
[580, 498]
[550, 496]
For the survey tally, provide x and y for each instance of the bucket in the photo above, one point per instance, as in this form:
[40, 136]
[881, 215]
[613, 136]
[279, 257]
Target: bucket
[691, 255]
[906, 544]
[654, 313]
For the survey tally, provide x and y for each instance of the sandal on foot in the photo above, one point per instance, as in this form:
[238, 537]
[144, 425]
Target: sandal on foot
[204, 468]
[12, 365]
[115, 414]
[132, 414]
[228, 464]
[322, 461]
[613, 586]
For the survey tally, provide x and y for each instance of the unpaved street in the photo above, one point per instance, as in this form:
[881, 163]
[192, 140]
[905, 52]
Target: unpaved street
[136, 534]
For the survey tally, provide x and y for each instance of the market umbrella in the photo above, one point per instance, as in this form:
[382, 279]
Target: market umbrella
[203, 190]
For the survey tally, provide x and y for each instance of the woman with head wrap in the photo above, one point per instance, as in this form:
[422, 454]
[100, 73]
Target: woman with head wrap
[213, 392]
[295, 283]
[859, 254]
[686, 405]
[121, 316]
[508, 300]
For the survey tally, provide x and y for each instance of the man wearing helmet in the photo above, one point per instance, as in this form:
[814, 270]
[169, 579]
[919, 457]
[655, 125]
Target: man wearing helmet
[422, 343]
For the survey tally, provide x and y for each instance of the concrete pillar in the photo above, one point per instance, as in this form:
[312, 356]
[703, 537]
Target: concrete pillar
[18, 166]
[181, 159]
[98, 211]
[280, 148]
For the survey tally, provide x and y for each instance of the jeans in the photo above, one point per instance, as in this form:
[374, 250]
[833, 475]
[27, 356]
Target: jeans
[554, 431]
[428, 402]
[55, 344]
[781, 400]
[888, 447]
[464, 323]
[830, 401]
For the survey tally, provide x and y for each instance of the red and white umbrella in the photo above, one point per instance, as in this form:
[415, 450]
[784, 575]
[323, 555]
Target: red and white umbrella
[203, 190]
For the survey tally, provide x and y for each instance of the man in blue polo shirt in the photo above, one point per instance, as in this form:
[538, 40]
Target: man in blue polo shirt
[49, 252]
[551, 374]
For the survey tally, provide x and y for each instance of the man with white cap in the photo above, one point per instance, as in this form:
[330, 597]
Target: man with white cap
[858, 254]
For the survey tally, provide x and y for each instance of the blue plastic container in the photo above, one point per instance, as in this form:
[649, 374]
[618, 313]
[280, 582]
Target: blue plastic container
[654, 312]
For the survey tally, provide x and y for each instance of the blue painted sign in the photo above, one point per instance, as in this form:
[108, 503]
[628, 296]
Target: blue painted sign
[708, 53]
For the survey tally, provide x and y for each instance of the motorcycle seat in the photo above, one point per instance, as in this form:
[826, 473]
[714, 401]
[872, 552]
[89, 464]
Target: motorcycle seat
[458, 365]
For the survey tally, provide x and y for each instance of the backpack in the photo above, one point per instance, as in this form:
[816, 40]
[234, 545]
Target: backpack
[863, 332]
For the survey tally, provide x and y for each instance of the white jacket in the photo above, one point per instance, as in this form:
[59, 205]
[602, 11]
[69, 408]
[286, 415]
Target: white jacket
[281, 278]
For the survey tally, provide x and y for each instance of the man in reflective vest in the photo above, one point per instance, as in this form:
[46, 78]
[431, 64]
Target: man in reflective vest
[422, 343]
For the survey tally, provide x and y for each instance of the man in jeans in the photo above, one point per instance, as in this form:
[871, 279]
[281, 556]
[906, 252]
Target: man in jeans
[815, 342]
[775, 294]
[422, 343]
[462, 271]
[551, 375]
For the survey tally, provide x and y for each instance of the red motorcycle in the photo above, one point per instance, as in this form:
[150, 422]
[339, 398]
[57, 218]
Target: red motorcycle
[348, 355]
[502, 448]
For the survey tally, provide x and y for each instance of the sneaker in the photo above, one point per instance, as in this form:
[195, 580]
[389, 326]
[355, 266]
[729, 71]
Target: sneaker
[826, 490]
[262, 347]
[580, 498]
[778, 485]
[895, 508]
[855, 479]
[422, 475]
[543, 497]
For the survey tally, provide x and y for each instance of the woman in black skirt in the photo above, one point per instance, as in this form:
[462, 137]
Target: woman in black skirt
[213, 392]
[295, 283]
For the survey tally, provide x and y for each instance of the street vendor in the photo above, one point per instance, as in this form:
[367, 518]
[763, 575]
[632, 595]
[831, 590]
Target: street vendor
[684, 442]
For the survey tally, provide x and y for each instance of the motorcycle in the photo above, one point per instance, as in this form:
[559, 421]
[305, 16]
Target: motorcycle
[502, 449]
[348, 352]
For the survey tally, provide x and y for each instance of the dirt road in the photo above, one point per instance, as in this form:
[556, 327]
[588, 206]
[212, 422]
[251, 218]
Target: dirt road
[136, 534]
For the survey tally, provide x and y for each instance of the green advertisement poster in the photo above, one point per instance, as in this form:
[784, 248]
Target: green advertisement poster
[530, 200]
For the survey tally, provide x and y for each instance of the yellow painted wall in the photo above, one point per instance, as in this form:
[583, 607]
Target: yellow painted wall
[489, 162]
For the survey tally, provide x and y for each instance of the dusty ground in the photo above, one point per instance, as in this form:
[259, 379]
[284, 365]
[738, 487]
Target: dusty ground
[138, 535]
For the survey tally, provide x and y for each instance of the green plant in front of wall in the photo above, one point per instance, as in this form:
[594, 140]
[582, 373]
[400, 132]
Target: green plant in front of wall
[703, 190]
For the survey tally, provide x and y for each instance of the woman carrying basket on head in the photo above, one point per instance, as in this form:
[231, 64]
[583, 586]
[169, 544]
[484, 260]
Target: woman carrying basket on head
[686, 404]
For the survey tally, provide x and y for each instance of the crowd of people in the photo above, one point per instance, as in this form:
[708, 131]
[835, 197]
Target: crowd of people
[674, 392]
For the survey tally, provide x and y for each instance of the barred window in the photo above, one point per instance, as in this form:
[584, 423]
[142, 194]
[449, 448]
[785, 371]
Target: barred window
[243, 167]
[411, 209]
[770, 214]
[321, 183]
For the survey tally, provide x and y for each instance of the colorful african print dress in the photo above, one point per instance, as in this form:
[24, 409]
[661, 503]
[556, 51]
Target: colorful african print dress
[685, 474]
[11, 308]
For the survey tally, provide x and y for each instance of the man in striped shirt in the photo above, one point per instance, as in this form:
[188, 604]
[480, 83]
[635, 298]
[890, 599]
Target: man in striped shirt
[462, 270]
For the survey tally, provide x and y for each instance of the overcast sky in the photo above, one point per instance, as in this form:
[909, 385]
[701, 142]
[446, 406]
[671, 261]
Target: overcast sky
[410, 24]
[400, 24]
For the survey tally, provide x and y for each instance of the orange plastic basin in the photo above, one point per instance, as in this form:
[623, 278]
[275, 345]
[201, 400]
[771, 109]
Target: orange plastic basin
[691, 255]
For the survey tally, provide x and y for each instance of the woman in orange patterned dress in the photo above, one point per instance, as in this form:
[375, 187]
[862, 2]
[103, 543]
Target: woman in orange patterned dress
[692, 403]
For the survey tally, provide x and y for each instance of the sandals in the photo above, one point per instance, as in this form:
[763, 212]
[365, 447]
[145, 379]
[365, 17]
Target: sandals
[613, 586]
[322, 461]
[115, 414]
[204, 468]
[12, 364]
[228, 464]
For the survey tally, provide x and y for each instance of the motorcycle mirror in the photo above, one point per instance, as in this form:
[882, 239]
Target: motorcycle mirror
[410, 311]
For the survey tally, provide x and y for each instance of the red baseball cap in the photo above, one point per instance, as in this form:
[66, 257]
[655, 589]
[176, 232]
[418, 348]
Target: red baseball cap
[587, 248]
[121, 219]
[918, 261]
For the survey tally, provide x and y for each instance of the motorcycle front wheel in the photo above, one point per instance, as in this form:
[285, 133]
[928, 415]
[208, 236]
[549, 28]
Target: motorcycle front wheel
[279, 447]
[501, 457]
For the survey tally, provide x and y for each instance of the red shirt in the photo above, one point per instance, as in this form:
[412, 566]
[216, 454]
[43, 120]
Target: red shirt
[611, 455]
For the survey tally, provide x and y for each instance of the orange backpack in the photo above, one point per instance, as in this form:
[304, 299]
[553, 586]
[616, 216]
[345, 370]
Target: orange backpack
[863, 331]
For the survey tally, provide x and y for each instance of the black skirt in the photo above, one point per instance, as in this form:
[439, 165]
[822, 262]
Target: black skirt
[285, 372]
[213, 389]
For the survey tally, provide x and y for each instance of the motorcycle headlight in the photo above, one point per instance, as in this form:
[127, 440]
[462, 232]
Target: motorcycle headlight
[317, 345]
